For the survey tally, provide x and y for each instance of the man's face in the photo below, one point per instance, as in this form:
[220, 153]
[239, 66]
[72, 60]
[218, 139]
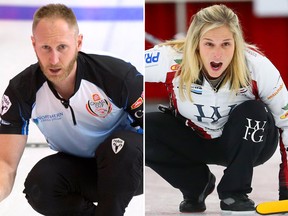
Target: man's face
[56, 46]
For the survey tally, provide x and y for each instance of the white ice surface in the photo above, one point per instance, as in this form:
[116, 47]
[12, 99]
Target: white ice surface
[162, 199]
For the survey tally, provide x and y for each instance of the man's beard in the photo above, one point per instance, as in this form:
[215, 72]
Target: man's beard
[65, 71]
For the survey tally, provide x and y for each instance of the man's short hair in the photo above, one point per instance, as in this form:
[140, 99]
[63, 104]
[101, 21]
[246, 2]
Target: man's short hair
[55, 11]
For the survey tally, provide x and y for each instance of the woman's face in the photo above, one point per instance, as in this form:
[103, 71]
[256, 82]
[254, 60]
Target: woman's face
[216, 49]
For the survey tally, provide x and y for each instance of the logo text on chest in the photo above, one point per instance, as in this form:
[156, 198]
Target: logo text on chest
[99, 106]
[49, 117]
[215, 113]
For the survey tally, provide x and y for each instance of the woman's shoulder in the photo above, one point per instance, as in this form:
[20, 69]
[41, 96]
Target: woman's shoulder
[256, 60]
[163, 49]
[160, 60]
[261, 68]
[160, 53]
[254, 55]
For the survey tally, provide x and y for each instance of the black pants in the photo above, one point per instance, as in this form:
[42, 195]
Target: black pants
[180, 156]
[66, 185]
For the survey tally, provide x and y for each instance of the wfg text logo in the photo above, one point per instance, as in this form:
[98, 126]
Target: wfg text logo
[254, 130]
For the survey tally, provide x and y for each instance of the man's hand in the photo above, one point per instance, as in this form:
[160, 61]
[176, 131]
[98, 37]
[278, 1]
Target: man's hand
[11, 150]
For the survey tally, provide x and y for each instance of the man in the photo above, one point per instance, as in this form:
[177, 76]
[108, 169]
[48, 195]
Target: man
[89, 108]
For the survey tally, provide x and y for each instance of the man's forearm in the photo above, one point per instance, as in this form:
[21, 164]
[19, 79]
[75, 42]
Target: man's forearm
[7, 179]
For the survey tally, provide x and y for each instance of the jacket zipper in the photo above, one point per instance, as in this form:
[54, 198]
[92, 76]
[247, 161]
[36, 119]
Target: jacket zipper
[66, 104]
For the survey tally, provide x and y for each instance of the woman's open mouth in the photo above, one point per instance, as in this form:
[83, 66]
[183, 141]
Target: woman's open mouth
[216, 65]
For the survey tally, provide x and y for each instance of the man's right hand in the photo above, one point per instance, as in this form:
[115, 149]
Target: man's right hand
[11, 150]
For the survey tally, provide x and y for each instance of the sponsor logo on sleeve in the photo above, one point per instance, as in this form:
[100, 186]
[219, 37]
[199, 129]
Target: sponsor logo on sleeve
[276, 92]
[176, 66]
[138, 103]
[285, 115]
[6, 104]
[152, 57]
[2, 122]
[139, 114]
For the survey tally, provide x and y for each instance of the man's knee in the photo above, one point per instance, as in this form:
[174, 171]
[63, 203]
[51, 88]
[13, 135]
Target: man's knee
[39, 185]
[122, 146]
[120, 162]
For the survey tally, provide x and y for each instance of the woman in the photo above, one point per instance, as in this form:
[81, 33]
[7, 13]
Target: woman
[225, 99]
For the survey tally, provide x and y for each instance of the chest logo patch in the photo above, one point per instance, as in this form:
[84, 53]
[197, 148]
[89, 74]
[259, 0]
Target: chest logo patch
[98, 106]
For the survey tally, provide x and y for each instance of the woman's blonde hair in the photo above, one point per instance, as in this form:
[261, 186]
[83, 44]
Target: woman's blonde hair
[207, 19]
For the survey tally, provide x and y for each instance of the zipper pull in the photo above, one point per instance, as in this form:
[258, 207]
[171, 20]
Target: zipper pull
[66, 105]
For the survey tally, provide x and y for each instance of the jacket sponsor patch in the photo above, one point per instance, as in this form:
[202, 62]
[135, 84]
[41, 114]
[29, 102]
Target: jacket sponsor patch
[152, 57]
[285, 115]
[48, 118]
[138, 103]
[98, 106]
[276, 92]
[196, 90]
[6, 104]
[117, 145]
[3, 122]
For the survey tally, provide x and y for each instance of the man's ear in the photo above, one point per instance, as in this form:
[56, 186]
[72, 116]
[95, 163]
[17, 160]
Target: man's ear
[33, 41]
[79, 41]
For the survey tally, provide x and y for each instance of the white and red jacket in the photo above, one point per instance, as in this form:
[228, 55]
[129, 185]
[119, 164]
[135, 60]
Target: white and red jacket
[209, 110]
